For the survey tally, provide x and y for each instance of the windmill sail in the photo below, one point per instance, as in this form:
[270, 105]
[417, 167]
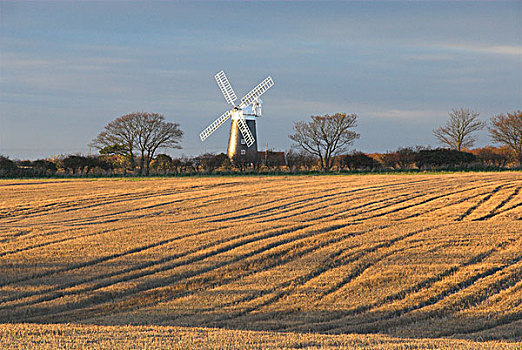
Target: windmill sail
[216, 124]
[245, 131]
[226, 88]
[256, 92]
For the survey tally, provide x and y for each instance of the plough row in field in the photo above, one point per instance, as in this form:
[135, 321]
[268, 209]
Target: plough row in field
[342, 254]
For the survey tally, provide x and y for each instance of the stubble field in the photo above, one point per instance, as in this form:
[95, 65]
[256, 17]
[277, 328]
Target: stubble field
[426, 261]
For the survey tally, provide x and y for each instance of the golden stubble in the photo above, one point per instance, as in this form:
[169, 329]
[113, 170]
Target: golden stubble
[411, 256]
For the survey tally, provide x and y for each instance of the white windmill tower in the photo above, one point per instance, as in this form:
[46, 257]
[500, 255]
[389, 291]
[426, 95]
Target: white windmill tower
[242, 143]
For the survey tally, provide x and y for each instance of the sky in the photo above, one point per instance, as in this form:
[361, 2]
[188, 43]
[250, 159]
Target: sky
[69, 68]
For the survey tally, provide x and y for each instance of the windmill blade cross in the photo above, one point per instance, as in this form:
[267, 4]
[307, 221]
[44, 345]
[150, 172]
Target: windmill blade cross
[226, 88]
[245, 131]
[256, 92]
[216, 124]
[248, 106]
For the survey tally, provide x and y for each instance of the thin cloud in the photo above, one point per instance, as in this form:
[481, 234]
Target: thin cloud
[426, 57]
[502, 50]
[15, 60]
[408, 113]
[309, 107]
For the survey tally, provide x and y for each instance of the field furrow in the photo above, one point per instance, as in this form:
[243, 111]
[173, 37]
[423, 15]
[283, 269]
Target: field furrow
[434, 255]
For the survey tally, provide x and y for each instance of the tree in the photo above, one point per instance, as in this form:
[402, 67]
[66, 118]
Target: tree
[457, 133]
[113, 150]
[326, 136]
[154, 132]
[507, 129]
[119, 137]
[163, 162]
[140, 132]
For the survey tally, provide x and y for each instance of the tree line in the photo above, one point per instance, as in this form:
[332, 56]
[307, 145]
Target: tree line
[328, 136]
[291, 161]
[129, 145]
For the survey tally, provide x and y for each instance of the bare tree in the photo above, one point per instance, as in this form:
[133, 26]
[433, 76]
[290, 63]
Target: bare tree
[326, 136]
[154, 132]
[508, 131]
[120, 136]
[457, 133]
[142, 132]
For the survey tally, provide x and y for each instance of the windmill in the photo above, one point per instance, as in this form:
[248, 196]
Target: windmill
[242, 144]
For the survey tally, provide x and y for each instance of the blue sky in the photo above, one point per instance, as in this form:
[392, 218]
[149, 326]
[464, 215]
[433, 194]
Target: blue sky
[69, 68]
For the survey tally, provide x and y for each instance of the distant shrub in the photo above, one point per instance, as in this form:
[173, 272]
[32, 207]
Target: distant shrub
[494, 156]
[209, 162]
[357, 161]
[162, 164]
[43, 164]
[300, 160]
[442, 157]
[7, 167]
[402, 158]
[272, 159]
[82, 165]
[390, 160]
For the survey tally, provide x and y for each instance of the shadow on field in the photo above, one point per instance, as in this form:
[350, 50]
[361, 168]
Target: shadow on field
[484, 327]
[418, 324]
[35, 298]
